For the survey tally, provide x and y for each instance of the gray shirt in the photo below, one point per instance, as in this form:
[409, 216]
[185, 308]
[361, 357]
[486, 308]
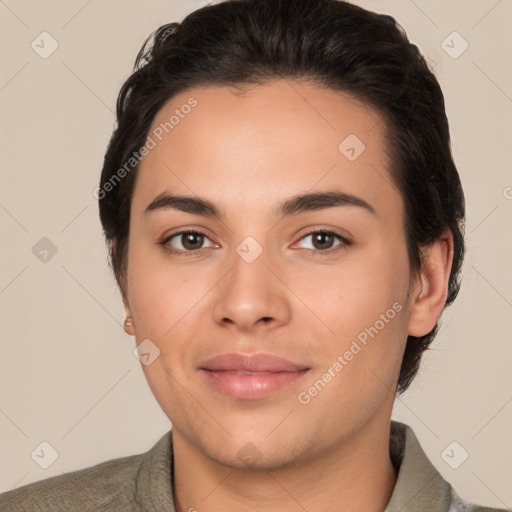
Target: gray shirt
[143, 483]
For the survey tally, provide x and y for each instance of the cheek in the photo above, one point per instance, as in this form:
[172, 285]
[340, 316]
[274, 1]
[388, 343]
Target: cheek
[363, 308]
[353, 295]
[163, 302]
[161, 295]
[367, 319]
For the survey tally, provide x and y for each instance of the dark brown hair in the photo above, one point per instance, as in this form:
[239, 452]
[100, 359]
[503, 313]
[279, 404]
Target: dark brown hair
[328, 42]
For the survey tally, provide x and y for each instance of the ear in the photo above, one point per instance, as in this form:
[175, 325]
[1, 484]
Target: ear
[128, 322]
[123, 289]
[431, 287]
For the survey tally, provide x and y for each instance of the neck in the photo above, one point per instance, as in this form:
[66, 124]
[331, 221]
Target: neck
[354, 474]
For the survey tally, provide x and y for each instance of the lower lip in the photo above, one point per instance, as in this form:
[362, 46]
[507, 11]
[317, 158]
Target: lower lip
[252, 386]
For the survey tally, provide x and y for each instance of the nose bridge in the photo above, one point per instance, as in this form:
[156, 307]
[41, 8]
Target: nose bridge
[249, 275]
[250, 293]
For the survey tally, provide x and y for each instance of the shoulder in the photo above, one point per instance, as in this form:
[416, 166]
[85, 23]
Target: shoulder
[114, 485]
[108, 485]
[460, 505]
[420, 486]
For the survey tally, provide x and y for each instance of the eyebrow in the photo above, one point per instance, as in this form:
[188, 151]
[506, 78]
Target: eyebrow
[296, 204]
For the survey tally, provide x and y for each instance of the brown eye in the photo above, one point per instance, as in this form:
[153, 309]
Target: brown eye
[192, 241]
[323, 241]
[188, 241]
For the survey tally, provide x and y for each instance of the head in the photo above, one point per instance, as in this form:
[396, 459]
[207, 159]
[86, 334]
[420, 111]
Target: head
[250, 104]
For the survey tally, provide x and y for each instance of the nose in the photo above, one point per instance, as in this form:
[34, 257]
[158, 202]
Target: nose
[251, 296]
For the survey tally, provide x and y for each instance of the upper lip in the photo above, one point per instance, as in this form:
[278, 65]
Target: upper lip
[251, 363]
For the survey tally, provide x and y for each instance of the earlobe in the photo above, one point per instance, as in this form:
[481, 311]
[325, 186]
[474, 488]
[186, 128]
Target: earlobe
[128, 325]
[434, 277]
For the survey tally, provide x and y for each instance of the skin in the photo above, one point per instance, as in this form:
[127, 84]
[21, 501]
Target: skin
[247, 153]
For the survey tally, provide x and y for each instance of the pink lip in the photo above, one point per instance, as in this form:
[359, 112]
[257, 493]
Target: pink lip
[250, 377]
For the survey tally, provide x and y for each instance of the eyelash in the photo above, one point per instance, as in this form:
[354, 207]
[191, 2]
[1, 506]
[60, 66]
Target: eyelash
[316, 252]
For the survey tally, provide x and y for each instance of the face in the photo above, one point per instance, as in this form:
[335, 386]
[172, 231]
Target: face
[297, 251]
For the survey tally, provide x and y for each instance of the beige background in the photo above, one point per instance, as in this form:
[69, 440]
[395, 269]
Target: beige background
[68, 375]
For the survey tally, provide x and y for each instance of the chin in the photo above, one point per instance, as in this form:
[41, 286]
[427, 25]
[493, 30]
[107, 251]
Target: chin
[250, 458]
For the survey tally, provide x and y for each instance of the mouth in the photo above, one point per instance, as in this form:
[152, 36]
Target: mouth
[251, 377]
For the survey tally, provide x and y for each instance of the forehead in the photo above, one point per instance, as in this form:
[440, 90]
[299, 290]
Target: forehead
[266, 143]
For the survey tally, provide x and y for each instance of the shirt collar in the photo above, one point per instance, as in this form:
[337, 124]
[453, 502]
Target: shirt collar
[419, 486]
[154, 489]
